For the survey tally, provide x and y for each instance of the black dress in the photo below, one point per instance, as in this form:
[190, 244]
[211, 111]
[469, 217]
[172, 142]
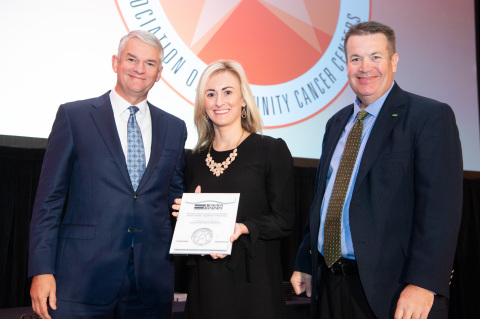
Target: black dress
[249, 283]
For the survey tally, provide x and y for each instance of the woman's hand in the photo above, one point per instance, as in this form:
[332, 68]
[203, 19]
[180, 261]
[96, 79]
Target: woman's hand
[217, 256]
[240, 229]
[178, 202]
[176, 206]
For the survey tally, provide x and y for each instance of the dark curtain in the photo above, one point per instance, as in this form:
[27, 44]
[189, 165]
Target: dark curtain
[19, 173]
[304, 178]
[465, 283]
[20, 170]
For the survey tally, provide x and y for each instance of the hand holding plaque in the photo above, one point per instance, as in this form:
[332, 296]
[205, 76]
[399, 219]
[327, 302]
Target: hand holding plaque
[205, 223]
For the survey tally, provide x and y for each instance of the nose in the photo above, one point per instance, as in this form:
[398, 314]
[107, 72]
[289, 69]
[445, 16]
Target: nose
[139, 68]
[365, 66]
[219, 100]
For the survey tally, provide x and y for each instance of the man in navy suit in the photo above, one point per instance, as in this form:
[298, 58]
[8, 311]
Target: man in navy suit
[98, 243]
[402, 208]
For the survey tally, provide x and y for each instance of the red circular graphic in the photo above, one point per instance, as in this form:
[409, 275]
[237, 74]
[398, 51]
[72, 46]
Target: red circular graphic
[274, 40]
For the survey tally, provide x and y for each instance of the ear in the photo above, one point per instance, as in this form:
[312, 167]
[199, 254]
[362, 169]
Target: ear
[159, 75]
[114, 63]
[394, 62]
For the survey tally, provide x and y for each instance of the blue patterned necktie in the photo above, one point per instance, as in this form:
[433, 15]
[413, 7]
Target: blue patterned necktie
[136, 152]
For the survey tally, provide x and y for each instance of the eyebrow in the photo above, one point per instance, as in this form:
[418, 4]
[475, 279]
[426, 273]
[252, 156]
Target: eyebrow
[227, 87]
[373, 53]
[133, 56]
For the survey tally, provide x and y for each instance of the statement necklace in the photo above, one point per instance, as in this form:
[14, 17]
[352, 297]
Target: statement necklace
[219, 168]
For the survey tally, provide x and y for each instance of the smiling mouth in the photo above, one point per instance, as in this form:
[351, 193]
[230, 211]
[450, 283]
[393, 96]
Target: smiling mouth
[136, 77]
[366, 78]
[221, 111]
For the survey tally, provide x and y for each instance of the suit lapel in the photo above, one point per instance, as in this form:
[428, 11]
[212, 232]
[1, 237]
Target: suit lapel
[102, 114]
[394, 104]
[334, 133]
[159, 133]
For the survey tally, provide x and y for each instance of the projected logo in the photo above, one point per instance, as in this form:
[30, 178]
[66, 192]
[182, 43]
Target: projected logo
[292, 51]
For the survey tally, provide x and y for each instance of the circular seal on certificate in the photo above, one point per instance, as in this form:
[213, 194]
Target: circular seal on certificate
[292, 51]
[202, 236]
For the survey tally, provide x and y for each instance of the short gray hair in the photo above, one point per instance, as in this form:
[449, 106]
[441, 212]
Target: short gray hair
[143, 36]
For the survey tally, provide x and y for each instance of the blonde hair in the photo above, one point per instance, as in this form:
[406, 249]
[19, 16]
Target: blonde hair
[253, 121]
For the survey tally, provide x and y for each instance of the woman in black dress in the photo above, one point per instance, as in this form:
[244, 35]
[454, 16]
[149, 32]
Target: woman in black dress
[248, 283]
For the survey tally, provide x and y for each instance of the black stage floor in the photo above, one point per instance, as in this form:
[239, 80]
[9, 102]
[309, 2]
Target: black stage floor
[297, 308]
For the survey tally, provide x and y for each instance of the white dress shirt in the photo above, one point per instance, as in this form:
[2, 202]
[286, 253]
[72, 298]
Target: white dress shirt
[121, 113]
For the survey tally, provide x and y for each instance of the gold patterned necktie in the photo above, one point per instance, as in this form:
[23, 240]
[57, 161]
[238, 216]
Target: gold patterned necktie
[332, 245]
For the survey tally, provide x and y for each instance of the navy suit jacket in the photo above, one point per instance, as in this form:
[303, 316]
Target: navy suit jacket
[406, 206]
[86, 212]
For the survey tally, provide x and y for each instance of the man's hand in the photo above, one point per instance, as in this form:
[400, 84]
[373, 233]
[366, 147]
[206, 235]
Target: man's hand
[414, 302]
[43, 287]
[301, 282]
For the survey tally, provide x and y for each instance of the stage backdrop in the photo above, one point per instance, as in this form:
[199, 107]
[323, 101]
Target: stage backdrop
[54, 51]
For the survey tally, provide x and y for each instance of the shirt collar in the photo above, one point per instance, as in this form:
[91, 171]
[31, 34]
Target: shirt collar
[375, 107]
[120, 105]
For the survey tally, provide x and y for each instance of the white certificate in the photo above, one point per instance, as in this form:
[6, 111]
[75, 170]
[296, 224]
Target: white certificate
[205, 223]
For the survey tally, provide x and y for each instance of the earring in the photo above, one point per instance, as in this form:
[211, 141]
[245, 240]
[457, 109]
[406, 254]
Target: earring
[244, 112]
[206, 117]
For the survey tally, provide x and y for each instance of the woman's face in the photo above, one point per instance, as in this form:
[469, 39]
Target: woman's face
[223, 99]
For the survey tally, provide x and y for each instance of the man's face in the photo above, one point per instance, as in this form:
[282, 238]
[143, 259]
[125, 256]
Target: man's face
[138, 68]
[370, 69]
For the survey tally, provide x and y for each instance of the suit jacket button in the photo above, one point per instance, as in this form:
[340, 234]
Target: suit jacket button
[135, 196]
[129, 229]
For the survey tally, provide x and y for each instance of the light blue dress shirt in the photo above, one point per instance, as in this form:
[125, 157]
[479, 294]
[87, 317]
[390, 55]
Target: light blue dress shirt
[373, 110]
